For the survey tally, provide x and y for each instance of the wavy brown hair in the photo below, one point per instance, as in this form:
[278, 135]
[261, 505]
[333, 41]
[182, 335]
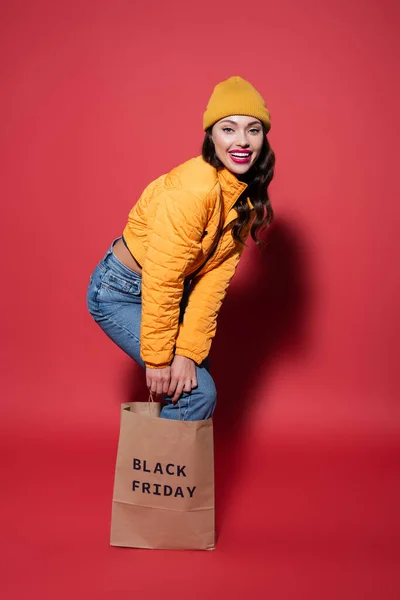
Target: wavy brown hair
[258, 178]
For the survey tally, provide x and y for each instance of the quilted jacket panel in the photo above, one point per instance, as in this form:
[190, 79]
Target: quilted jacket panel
[171, 231]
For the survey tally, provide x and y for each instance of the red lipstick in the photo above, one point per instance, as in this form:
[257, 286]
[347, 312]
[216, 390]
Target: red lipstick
[240, 156]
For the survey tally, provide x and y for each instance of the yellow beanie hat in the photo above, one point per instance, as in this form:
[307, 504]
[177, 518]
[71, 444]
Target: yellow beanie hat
[235, 96]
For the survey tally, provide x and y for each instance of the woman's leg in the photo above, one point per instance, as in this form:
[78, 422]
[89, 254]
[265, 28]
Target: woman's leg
[195, 405]
[115, 303]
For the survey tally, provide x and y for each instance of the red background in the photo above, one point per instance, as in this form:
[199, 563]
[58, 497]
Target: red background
[98, 98]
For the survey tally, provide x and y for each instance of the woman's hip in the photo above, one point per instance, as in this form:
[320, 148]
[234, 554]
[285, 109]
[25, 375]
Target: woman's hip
[113, 283]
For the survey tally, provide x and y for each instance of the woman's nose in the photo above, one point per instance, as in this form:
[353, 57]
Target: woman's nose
[241, 139]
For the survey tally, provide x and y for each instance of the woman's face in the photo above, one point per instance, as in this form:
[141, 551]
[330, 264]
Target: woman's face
[238, 141]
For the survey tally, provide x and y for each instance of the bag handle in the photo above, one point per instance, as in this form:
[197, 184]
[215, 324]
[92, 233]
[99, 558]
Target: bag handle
[151, 399]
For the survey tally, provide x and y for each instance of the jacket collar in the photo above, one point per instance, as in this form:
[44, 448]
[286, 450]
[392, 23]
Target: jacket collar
[230, 185]
[231, 188]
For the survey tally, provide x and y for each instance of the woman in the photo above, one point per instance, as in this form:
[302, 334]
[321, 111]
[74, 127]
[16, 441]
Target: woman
[158, 290]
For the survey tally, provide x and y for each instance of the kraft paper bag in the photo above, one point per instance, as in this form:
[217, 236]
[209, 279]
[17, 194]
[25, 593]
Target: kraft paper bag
[164, 481]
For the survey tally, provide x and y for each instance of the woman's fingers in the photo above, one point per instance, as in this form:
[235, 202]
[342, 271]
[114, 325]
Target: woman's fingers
[165, 386]
[177, 386]
[178, 391]
[158, 380]
[182, 386]
[187, 385]
[172, 386]
[173, 381]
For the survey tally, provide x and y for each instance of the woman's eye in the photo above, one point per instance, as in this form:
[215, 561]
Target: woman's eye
[254, 130]
[227, 129]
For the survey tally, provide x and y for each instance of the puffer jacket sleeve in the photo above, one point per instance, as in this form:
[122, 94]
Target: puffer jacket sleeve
[174, 244]
[199, 325]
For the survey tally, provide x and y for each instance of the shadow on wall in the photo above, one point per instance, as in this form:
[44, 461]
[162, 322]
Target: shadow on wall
[262, 320]
[258, 322]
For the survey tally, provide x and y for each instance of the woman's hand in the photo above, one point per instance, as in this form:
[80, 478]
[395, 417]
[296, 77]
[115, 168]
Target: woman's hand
[179, 377]
[158, 380]
[183, 376]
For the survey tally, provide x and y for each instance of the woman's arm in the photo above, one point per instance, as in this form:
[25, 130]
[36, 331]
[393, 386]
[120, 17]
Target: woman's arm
[174, 243]
[199, 324]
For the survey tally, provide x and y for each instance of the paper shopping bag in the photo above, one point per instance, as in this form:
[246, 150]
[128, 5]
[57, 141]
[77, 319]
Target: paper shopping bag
[164, 481]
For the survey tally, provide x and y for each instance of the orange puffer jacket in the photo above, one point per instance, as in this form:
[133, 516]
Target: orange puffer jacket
[171, 231]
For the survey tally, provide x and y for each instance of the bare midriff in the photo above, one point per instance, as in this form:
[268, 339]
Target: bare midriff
[123, 255]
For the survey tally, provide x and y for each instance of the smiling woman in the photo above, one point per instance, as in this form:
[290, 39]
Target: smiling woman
[238, 141]
[158, 290]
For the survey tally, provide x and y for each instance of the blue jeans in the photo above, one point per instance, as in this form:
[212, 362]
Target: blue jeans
[115, 302]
